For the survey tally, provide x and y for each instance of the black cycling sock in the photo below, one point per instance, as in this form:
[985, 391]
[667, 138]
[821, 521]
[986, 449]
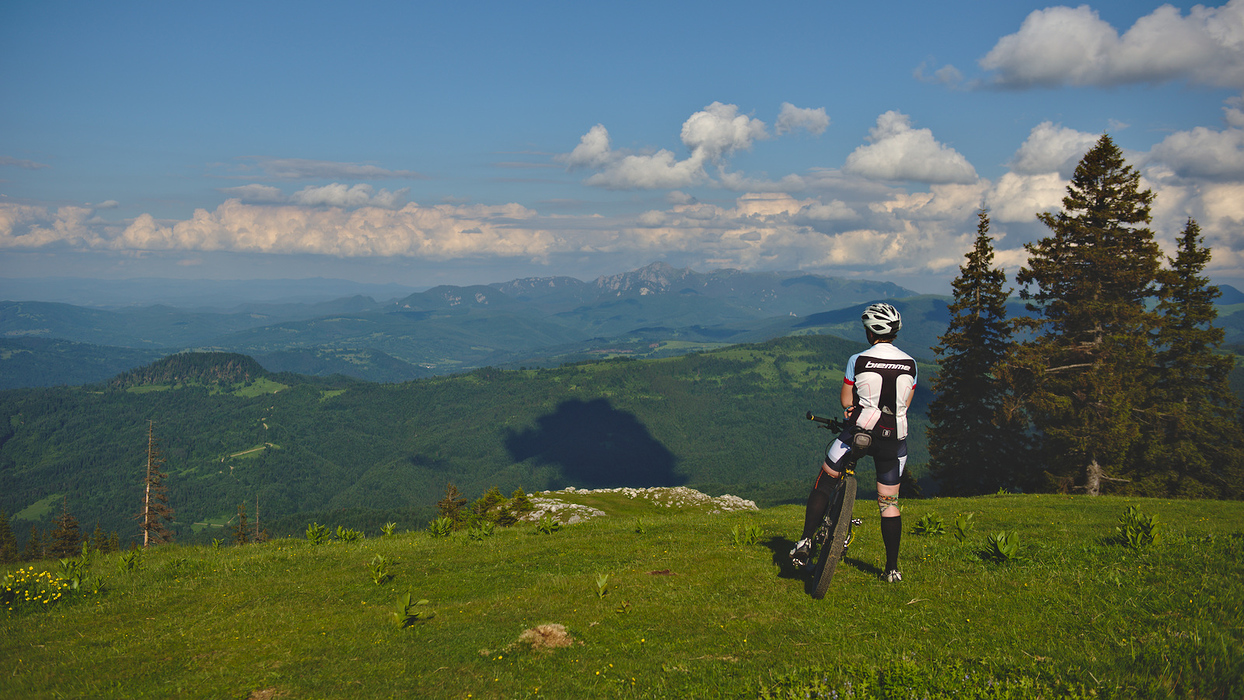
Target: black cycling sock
[818, 501]
[891, 532]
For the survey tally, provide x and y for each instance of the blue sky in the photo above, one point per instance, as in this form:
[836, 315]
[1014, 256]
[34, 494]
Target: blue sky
[479, 142]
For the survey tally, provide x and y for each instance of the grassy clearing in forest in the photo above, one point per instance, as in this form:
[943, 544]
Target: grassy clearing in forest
[662, 603]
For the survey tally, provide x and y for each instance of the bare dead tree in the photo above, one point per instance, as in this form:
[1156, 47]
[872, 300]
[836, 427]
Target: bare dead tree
[156, 511]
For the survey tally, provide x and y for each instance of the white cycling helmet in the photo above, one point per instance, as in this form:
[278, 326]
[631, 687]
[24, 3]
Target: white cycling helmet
[882, 319]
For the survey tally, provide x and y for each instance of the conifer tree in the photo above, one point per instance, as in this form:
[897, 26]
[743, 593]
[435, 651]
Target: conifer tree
[1193, 448]
[241, 533]
[99, 540]
[8, 543]
[1089, 363]
[451, 505]
[156, 510]
[34, 546]
[976, 439]
[66, 538]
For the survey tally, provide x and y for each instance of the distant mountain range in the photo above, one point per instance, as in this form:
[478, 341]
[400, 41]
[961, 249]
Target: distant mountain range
[655, 311]
[651, 312]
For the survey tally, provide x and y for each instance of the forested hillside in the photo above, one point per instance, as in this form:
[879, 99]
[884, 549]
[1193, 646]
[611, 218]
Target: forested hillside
[729, 420]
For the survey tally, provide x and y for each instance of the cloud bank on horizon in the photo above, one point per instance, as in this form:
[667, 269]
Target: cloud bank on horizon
[897, 203]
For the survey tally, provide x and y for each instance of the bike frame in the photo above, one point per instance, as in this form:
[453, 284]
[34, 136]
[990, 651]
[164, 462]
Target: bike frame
[833, 536]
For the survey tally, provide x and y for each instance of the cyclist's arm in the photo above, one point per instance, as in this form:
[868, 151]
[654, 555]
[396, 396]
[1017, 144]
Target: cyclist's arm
[847, 399]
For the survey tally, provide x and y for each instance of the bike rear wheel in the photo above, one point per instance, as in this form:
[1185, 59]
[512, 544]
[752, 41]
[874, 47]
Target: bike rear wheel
[831, 552]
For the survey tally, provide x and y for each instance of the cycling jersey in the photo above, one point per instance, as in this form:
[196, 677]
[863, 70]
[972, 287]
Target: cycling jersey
[881, 378]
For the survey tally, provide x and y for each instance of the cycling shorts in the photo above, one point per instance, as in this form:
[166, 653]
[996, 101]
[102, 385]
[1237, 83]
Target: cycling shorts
[889, 457]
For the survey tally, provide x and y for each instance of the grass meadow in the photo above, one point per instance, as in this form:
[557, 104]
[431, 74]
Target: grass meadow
[660, 603]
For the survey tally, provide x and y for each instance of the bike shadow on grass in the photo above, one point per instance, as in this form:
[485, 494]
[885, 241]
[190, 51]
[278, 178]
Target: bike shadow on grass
[781, 546]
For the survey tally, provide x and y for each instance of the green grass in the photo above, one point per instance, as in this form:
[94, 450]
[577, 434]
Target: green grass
[39, 509]
[1078, 615]
[260, 386]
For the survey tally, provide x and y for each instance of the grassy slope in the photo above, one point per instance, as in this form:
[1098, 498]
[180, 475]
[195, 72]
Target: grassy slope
[727, 621]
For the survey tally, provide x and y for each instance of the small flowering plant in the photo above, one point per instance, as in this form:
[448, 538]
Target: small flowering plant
[27, 589]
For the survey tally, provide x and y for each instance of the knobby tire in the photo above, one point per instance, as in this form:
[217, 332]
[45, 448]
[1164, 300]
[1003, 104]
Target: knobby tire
[831, 551]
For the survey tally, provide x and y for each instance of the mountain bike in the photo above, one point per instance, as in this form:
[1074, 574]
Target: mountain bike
[836, 531]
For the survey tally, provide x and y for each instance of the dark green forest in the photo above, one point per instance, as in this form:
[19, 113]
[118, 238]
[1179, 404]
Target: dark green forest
[305, 448]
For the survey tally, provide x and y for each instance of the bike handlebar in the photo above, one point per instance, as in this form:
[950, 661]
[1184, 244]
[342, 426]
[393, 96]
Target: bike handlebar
[834, 424]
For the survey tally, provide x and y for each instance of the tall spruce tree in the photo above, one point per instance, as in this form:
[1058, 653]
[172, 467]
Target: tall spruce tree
[156, 512]
[976, 441]
[34, 546]
[1192, 448]
[66, 538]
[8, 543]
[1089, 364]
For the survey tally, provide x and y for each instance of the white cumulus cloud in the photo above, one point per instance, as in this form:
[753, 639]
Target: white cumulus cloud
[1074, 46]
[792, 118]
[896, 151]
[710, 136]
[592, 152]
[339, 195]
[718, 130]
[1203, 153]
[1050, 148]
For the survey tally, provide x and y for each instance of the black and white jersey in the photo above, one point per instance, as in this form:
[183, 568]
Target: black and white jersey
[881, 378]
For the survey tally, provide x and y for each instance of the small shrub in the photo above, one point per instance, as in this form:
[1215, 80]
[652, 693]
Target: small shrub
[1002, 547]
[317, 533]
[72, 572]
[963, 525]
[441, 527]
[930, 524]
[748, 535]
[408, 613]
[130, 562]
[216, 542]
[348, 535]
[548, 525]
[1137, 530]
[379, 569]
[488, 506]
[602, 585]
[388, 529]
[479, 532]
[640, 526]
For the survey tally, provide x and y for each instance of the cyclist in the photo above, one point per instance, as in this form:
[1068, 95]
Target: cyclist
[876, 391]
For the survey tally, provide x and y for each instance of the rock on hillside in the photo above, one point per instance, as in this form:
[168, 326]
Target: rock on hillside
[549, 503]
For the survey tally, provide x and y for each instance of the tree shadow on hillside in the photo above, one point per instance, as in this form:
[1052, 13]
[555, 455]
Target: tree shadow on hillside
[596, 446]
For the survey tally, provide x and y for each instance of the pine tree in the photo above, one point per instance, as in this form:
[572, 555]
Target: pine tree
[98, 539]
[1193, 448]
[451, 505]
[976, 438]
[34, 546]
[1088, 367]
[66, 536]
[8, 543]
[241, 533]
[156, 510]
